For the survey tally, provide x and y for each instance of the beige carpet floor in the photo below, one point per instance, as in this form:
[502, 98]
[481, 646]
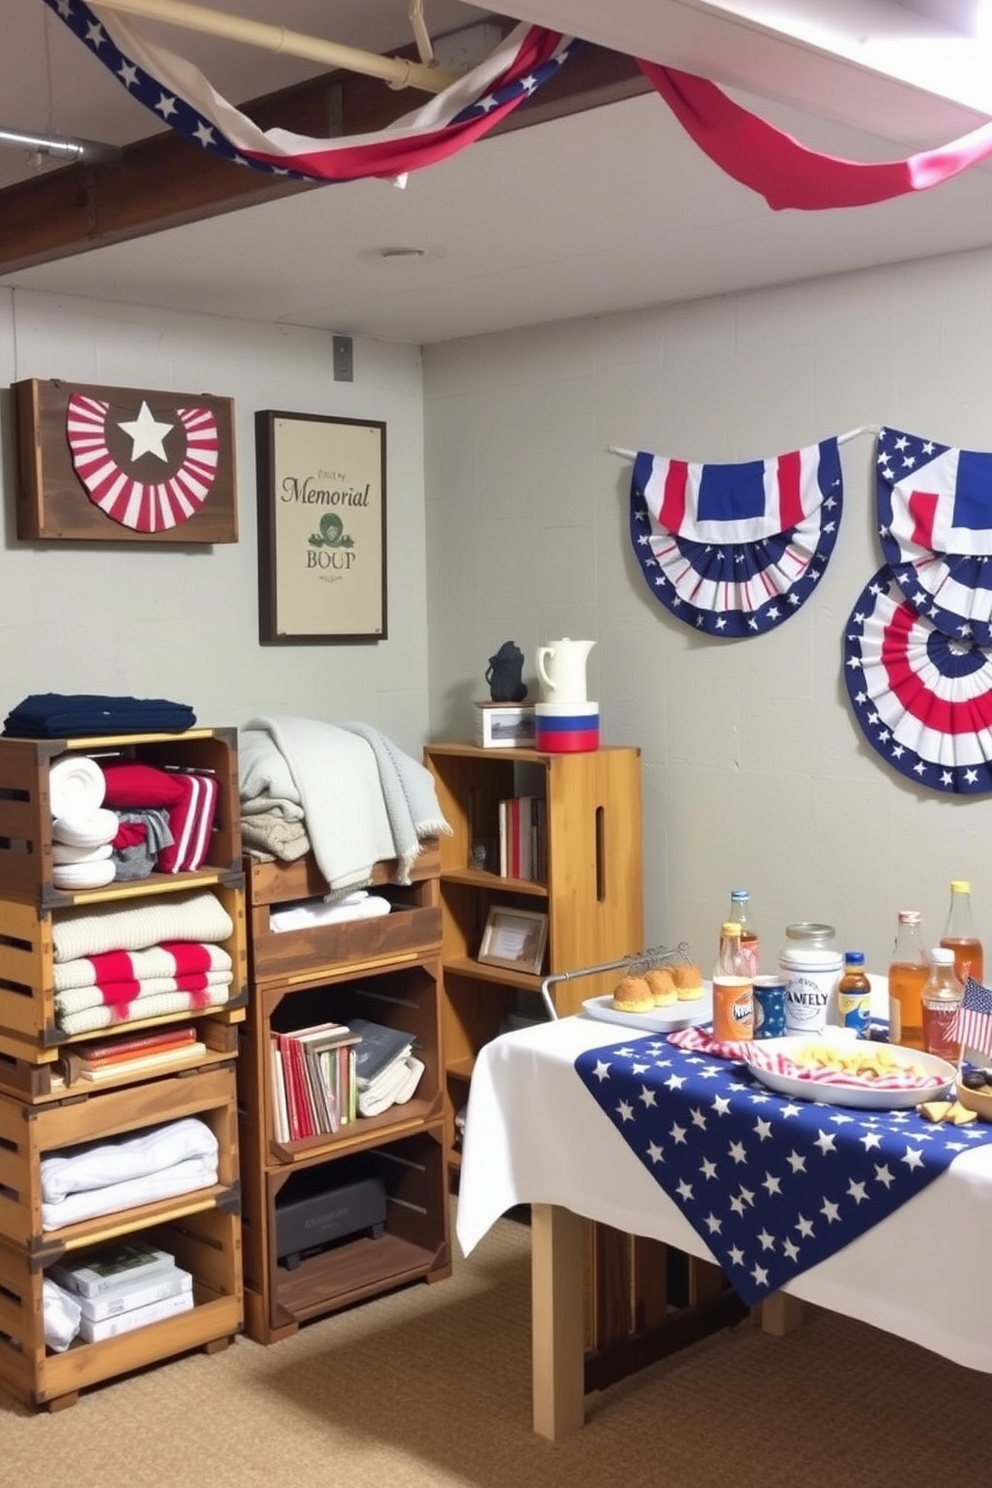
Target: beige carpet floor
[430, 1388]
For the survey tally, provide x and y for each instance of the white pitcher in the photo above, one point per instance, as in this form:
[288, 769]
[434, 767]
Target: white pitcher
[561, 666]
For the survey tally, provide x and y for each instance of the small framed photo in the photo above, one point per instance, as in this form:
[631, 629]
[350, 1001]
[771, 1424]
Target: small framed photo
[514, 938]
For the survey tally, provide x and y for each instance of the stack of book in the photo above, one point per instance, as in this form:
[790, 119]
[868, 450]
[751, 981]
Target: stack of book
[135, 1054]
[122, 1287]
[387, 1072]
[522, 838]
[313, 1080]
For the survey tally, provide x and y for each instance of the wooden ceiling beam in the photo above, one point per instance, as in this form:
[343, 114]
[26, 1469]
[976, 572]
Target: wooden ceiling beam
[164, 181]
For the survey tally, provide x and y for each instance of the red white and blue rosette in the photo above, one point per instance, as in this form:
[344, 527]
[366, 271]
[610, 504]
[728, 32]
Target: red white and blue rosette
[934, 507]
[922, 699]
[734, 550]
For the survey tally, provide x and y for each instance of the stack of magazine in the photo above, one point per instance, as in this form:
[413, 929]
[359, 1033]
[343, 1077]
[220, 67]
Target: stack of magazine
[387, 1072]
[122, 1287]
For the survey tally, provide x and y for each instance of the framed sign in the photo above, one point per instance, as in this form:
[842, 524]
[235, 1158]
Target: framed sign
[123, 465]
[514, 938]
[321, 528]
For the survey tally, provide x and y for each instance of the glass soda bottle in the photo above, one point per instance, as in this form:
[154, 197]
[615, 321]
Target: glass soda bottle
[959, 934]
[854, 994]
[740, 914]
[733, 989]
[941, 1000]
[908, 972]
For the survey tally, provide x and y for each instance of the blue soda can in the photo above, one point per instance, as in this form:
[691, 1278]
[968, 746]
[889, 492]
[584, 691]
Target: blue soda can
[769, 1007]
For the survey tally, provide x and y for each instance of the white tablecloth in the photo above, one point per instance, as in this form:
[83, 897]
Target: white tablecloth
[535, 1136]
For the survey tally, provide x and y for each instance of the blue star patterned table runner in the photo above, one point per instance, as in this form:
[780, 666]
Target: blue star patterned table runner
[772, 1185]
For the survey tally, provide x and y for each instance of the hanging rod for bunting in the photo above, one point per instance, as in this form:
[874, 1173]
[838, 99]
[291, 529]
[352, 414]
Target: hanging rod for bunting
[392, 70]
[421, 35]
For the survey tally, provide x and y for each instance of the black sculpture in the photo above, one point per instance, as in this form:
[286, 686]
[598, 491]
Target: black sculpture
[505, 674]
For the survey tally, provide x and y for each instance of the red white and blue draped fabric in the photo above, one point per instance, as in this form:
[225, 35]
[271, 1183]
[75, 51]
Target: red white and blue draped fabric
[734, 550]
[145, 473]
[773, 1186]
[922, 699]
[934, 506]
[181, 97]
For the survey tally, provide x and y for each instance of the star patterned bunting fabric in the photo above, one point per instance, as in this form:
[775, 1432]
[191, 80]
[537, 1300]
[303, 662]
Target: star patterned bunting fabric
[934, 505]
[734, 550]
[180, 96]
[772, 1185]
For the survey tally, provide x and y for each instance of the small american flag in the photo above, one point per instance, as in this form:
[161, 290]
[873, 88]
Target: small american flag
[973, 1024]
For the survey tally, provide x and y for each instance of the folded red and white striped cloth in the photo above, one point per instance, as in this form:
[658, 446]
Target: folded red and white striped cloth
[147, 1005]
[699, 1041]
[76, 998]
[755, 1053]
[171, 958]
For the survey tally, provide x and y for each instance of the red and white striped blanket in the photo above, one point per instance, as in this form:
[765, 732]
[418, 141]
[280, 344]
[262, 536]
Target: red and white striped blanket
[172, 958]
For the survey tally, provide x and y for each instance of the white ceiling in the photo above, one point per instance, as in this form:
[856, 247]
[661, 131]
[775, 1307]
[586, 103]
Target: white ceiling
[613, 209]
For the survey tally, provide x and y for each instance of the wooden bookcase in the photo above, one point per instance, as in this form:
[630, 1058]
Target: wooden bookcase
[592, 894]
[46, 1108]
[387, 969]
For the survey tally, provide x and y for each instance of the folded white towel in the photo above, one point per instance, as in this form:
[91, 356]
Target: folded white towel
[132, 1157]
[76, 785]
[62, 853]
[197, 1172]
[311, 912]
[86, 828]
[74, 876]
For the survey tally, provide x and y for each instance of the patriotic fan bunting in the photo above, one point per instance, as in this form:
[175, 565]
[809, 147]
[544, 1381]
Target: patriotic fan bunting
[934, 507]
[922, 699]
[145, 473]
[180, 96]
[734, 550]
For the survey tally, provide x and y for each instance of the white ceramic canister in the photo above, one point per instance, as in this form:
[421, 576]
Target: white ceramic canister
[810, 966]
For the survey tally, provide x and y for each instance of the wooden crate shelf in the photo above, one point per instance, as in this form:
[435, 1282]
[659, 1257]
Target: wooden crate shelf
[386, 969]
[26, 816]
[206, 1243]
[414, 1247]
[30, 1132]
[28, 1028]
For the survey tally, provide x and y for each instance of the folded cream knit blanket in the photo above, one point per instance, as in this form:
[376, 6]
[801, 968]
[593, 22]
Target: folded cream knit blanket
[198, 915]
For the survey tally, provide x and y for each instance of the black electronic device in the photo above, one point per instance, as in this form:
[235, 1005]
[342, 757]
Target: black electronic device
[317, 1219]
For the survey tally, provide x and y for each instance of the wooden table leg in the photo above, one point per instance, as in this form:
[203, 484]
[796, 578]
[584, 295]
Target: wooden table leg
[781, 1314]
[557, 1321]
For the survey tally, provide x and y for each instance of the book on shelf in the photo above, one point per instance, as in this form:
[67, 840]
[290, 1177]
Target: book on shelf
[138, 1317]
[137, 1293]
[313, 1081]
[379, 1047]
[130, 1045]
[100, 1270]
[523, 837]
[142, 1064]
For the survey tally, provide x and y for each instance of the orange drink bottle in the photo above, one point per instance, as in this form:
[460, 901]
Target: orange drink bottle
[959, 934]
[908, 972]
[733, 989]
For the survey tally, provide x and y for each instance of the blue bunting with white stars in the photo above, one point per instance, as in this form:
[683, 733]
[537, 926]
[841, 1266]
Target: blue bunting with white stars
[773, 1186]
[734, 550]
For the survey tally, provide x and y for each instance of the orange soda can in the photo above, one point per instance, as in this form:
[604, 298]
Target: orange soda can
[733, 1008]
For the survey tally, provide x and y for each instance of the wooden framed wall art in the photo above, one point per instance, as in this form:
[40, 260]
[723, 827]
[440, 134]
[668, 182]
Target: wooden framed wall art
[108, 464]
[321, 528]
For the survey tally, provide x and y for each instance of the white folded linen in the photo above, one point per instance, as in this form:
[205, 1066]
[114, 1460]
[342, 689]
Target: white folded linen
[132, 1157]
[72, 876]
[140, 1009]
[76, 785]
[61, 1314]
[311, 912]
[62, 853]
[185, 1177]
[86, 828]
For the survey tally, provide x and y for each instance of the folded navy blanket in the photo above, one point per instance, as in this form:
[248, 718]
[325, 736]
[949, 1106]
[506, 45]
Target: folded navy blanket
[56, 715]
